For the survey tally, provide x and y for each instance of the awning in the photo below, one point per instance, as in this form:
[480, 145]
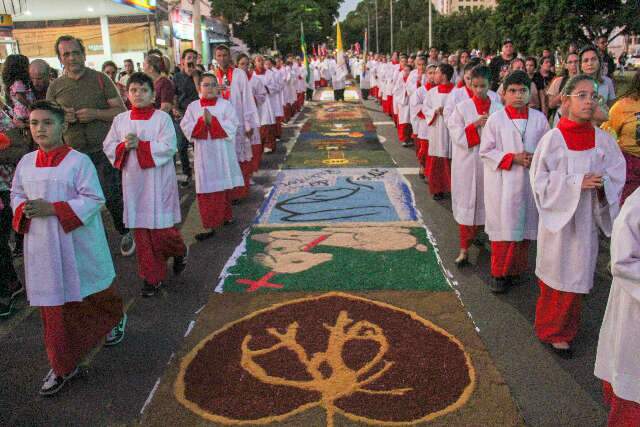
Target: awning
[51, 10]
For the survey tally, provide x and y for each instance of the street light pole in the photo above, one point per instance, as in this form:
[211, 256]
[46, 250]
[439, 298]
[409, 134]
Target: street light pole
[430, 32]
[391, 13]
[377, 38]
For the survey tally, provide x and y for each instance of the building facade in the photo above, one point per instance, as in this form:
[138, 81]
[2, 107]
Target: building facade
[447, 7]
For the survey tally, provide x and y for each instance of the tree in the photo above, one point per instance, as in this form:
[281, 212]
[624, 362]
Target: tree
[259, 22]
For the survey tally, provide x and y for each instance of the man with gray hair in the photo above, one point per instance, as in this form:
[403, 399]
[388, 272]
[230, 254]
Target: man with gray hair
[39, 73]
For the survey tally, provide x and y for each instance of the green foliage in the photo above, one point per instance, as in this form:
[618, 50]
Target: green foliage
[257, 22]
[532, 24]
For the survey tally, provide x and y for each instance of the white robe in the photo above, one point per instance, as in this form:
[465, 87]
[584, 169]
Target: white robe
[243, 103]
[510, 210]
[421, 127]
[618, 356]
[569, 216]
[214, 160]
[437, 131]
[63, 267]
[467, 185]
[458, 95]
[275, 84]
[150, 195]
[401, 100]
[265, 109]
[338, 75]
[259, 92]
[412, 88]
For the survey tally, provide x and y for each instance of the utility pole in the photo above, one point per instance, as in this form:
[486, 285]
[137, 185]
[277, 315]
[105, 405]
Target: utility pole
[391, 13]
[377, 38]
[430, 28]
[368, 25]
[197, 30]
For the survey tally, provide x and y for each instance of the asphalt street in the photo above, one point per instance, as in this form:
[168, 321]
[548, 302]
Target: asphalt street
[117, 382]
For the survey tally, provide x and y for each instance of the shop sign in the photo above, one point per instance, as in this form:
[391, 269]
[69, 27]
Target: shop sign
[144, 5]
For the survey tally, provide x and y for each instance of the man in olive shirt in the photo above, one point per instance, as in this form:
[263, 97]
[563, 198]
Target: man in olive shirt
[186, 93]
[91, 101]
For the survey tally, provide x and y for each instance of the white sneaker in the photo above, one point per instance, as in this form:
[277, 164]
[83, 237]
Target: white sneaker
[127, 244]
[53, 384]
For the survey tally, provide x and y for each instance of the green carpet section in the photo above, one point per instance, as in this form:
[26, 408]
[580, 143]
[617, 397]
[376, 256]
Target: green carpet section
[346, 258]
[338, 135]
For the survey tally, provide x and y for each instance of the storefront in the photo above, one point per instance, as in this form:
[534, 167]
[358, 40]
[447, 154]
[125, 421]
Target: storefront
[110, 29]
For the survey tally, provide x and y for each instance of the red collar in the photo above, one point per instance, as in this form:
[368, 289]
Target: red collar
[578, 136]
[206, 102]
[221, 74]
[514, 113]
[259, 72]
[469, 92]
[249, 75]
[482, 105]
[143, 113]
[460, 83]
[53, 158]
[395, 62]
[446, 88]
[429, 85]
[404, 78]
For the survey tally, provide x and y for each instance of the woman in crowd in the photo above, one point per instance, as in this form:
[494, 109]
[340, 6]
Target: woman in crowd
[554, 92]
[591, 65]
[111, 69]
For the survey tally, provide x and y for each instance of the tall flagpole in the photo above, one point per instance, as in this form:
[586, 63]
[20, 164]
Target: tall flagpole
[430, 32]
[377, 38]
[391, 10]
[368, 24]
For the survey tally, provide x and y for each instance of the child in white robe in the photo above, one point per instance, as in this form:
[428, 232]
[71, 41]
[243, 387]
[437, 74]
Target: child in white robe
[259, 92]
[439, 148]
[275, 95]
[56, 200]
[142, 143]
[265, 110]
[509, 140]
[617, 361]
[422, 132]
[211, 124]
[577, 174]
[401, 97]
[467, 185]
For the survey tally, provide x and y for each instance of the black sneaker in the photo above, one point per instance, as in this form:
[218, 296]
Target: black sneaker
[204, 236]
[149, 290]
[53, 384]
[438, 196]
[117, 333]
[180, 262]
[499, 285]
[230, 222]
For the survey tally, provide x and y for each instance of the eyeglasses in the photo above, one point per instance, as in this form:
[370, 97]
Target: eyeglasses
[584, 96]
[522, 91]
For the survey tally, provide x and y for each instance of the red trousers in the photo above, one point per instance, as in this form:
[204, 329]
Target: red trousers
[73, 329]
[268, 136]
[215, 208]
[256, 152]
[279, 120]
[154, 248]
[300, 100]
[509, 258]
[288, 112]
[467, 234]
[557, 315]
[323, 83]
[439, 174]
[242, 192]
[404, 132]
[422, 153]
[622, 413]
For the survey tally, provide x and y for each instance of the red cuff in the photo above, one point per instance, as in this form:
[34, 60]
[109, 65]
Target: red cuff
[67, 217]
[506, 162]
[200, 130]
[435, 116]
[121, 156]
[421, 115]
[145, 159]
[473, 138]
[20, 222]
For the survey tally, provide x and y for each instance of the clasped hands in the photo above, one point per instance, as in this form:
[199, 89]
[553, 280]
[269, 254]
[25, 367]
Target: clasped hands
[38, 208]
